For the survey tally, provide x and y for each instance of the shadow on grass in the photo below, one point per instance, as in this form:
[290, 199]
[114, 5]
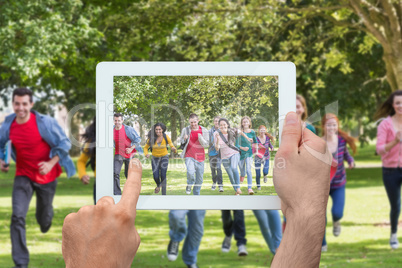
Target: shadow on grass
[36, 260]
[364, 177]
[365, 253]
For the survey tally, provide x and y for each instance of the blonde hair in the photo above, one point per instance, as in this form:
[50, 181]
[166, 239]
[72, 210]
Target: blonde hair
[303, 103]
[241, 121]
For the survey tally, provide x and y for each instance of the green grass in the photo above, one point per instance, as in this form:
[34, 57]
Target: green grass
[362, 243]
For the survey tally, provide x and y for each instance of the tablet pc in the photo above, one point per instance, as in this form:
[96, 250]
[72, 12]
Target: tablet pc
[147, 93]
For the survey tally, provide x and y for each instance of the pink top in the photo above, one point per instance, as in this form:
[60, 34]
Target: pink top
[385, 134]
[226, 151]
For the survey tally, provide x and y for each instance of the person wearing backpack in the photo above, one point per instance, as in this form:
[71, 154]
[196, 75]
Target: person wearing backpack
[214, 158]
[157, 143]
[225, 140]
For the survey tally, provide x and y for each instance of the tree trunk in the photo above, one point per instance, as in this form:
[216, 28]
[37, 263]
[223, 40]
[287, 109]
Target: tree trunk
[173, 124]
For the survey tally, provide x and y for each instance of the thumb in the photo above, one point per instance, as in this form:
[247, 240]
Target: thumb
[291, 134]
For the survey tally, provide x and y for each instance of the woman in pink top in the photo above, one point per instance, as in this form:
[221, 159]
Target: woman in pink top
[389, 146]
[225, 140]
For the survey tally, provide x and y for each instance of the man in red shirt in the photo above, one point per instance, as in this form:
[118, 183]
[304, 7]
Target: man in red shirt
[38, 144]
[125, 140]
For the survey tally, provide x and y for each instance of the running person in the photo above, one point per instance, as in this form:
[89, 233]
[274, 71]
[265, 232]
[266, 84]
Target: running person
[158, 141]
[126, 140]
[88, 155]
[262, 154]
[389, 144]
[225, 140]
[214, 158]
[40, 147]
[302, 111]
[194, 138]
[336, 141]
[246, 152]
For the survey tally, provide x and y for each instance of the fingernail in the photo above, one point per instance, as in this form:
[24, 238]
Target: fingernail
[291, 119]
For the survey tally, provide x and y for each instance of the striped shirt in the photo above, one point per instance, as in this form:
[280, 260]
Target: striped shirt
[339, 179]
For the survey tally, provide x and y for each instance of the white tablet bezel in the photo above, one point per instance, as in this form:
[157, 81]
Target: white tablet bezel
[106, 71]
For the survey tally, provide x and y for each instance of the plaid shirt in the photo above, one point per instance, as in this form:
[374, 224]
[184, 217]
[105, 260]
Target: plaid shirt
[343, 154]
[267, 144]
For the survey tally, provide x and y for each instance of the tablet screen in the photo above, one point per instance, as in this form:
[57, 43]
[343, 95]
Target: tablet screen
[196, 135]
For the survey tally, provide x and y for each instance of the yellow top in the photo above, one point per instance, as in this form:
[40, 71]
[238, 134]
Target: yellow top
[159, 151]
[82, 162]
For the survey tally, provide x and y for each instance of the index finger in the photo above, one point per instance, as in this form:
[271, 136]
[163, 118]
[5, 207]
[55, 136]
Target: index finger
[132, 188]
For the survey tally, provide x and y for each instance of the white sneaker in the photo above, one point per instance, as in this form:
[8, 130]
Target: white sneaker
[336, 228]
[188, 189]
[226, 244]
[394, 241]
[259, 188]
[265, 178]
[241, 250]
[173, 250]
[213, 186]
[324, 248]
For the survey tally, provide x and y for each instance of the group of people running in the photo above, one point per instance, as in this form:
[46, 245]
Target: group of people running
[233, 148]
[30, 131]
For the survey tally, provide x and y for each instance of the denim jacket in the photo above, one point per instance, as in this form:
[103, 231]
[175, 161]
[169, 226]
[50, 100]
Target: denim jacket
[51, 133]
[133, 137]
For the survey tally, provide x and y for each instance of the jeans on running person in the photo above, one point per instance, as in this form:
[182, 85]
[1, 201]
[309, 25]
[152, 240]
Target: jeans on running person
[195, 173]
[159, 169]
[270, 226]
[192, 232]
[216, 170]
[245, 168]
[234, 225]
[118, 163]
[265, 170]
[231, 167]
[338, 205]
[23, 190]
[392, 178]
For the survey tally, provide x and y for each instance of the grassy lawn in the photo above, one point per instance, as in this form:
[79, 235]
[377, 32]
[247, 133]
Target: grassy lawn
[362, 243]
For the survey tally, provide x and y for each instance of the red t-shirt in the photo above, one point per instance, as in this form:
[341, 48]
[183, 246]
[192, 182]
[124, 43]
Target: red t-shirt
[31, 149]
[121, 142]
[194, 148]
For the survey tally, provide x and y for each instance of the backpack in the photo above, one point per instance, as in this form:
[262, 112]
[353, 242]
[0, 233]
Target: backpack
[165, 138]
[182, 145]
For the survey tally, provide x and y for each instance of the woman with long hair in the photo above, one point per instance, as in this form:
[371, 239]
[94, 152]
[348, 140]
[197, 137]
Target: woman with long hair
[157, 142]
[262, 149]
[302, 111]
[337, 140]
[389, 146]
[225, 141]
[246, 152]
[88, 155]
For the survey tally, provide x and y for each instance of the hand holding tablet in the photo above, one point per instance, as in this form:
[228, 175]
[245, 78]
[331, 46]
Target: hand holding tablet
[104, 235]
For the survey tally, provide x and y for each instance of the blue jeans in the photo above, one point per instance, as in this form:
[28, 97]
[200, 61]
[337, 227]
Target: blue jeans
[392, 178]
[216, 170]
[195, 172]
[338, 205]
[230, 165]
[245, 167]
[270, 226]
[258, 163]
[234, 225]
[159, 169]
[193, 233]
